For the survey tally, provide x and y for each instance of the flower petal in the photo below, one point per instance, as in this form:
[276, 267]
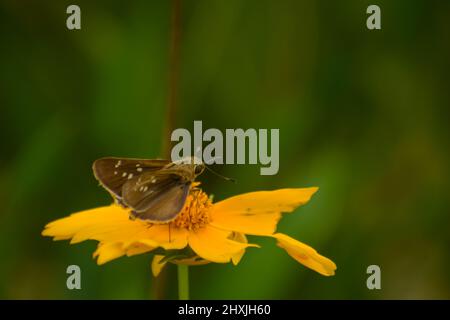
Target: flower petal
[108, 251]
[111, 224]
[239, 237]
[159, 235]
[137, 248]
[157, 266]
[306, 255]
[96, 224]
[214, 245]
[258, 212]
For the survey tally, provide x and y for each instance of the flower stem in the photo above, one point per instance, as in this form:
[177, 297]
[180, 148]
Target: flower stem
[183, 282]
[160, 282]
[173, 75]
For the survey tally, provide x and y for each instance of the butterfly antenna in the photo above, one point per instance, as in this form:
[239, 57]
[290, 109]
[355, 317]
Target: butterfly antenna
[219, 175]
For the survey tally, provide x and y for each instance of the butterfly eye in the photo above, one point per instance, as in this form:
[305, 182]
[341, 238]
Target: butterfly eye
[198, 169]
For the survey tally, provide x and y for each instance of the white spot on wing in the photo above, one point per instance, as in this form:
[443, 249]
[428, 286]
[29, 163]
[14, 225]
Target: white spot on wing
[153, 180]
[115, 173]
[124, 174]
[145, 189]
[118, 163]
[139, 169]
[130, 176]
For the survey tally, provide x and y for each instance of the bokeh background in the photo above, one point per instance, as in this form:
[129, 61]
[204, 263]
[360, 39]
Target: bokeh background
[362, 114]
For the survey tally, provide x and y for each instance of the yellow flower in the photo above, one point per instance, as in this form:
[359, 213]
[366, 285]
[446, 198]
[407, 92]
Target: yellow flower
[203, 232]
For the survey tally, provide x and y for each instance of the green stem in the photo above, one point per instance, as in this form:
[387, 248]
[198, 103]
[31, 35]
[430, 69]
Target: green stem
[174, 70]
[183, 282]
[160, 282]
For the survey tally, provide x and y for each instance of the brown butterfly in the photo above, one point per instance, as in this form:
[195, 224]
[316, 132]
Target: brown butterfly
[155, 190]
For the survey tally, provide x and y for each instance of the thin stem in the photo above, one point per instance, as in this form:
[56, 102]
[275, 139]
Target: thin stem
[160, 282]
[183, 282]
[174, 66]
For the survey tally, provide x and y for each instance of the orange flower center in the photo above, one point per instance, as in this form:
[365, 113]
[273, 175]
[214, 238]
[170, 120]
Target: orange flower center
[195, 213]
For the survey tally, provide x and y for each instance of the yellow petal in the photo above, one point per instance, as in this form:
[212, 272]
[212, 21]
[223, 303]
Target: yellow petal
[111, 224]
[239, 237]
[163, 236]
[306, 255]
[94, 224]
[258, 212]
[157, 266]
[137, 248]
[214, 245]
[108, 251]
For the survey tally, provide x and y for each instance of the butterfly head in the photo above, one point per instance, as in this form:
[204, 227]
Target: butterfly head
[192, 166]
[198, 169]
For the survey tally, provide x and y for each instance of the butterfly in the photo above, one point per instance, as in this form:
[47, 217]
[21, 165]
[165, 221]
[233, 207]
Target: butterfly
[154, 190]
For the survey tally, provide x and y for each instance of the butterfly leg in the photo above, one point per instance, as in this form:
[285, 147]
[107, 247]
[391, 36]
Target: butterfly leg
[170, 238]
[132, 216]
[195, 194]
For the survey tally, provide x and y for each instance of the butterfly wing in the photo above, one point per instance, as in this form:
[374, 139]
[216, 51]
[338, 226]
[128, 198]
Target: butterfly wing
[157, 196]
[113, 173]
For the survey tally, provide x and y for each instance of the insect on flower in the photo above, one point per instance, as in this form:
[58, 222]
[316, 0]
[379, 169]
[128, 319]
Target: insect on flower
[155, 190]
[179, 222]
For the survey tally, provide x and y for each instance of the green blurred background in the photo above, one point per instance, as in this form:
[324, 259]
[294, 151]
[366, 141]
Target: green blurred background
[362, 114]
